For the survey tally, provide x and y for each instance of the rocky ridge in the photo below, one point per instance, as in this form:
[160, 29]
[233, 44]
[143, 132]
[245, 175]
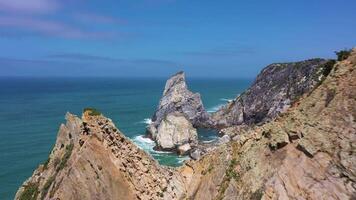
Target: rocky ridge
[275, 89]
[92, 159]
[306, 153]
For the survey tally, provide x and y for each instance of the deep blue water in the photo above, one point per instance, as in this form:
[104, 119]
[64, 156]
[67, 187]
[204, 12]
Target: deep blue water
[31, 110]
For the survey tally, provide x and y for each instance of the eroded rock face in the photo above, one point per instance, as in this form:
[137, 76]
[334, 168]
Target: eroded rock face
[174, 131]
[275, 89]
[92, 159]
[177, 98]
[307, 153]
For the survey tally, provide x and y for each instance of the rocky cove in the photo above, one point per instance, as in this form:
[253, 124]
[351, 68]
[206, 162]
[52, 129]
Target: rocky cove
[290, 135]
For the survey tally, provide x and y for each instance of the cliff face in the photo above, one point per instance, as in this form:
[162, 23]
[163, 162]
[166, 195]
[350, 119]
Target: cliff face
[275, 89]
[306, 153]
[92, 159]
[177, 98]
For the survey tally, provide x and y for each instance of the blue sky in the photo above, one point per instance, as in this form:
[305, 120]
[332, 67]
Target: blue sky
[156, 38]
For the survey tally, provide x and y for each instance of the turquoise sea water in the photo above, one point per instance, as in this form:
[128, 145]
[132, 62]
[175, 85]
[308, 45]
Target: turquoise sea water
[31, 110]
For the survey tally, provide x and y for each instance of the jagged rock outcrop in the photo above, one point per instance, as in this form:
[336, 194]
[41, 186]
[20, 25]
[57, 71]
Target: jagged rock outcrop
[92, 159]
[306, 153]
[275, 89]
[177, 98]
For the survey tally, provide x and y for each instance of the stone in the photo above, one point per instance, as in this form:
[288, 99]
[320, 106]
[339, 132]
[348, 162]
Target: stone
[224, 139]
[196, 154]
[175, 130]
[184, 149]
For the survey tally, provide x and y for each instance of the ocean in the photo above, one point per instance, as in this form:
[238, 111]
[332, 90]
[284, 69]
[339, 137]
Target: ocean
[32, 109]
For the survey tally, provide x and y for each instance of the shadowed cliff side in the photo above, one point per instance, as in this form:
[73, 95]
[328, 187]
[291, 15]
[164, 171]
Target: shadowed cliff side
[275, 89]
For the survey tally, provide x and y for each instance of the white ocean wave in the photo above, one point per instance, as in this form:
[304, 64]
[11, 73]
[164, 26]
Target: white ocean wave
[147, 121]
[182, 159]
[210, 141]
[144, 143]
[147, 144]
[215, 108]
[227, 100]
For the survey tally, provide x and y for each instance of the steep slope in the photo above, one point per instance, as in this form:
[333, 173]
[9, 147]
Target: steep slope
[307, 153]
[275, 89]
[93, 160]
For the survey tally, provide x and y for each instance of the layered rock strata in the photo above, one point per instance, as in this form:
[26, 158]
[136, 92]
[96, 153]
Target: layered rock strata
[92, 159]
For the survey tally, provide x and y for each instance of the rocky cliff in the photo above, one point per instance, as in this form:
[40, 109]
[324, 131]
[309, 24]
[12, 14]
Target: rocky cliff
[308, 152]
[92, 159]
[177, 99]
[275, 89]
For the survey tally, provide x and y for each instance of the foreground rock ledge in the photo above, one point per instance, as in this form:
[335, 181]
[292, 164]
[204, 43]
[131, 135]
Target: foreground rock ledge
[92, 159]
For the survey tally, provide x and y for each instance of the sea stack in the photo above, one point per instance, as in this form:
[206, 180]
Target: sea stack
[179, 109]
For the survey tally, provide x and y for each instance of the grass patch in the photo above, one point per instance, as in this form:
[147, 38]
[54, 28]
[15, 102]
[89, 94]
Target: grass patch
[210, 168]
[66, 156]
[92, 111]
[47, 185]
[257, 195]
[229, 174]
[30, 192]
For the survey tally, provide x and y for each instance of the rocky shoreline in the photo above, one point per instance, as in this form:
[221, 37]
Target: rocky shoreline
[301, 146]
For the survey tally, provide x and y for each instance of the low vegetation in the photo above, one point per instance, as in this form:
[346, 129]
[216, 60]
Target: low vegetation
[343, 54]
[229, 174]
[30, 192]
[66, 156]
[92, 111]
[47, 185]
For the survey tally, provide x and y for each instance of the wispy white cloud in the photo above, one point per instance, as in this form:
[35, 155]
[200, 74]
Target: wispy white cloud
[22, 18]
[95, 18]
[82, 57]
[29, 6]
[50, 28]
[88, 57]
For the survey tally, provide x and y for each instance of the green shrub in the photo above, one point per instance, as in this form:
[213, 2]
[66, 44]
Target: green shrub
[343, 54]
[92, 111]
[30, 192]
[66, 156]
[328, 66]
[45, 164]
[46, 186]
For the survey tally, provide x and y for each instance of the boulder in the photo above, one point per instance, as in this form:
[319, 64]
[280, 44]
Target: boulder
[196, 154]
[175, 130]
[184, 149]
